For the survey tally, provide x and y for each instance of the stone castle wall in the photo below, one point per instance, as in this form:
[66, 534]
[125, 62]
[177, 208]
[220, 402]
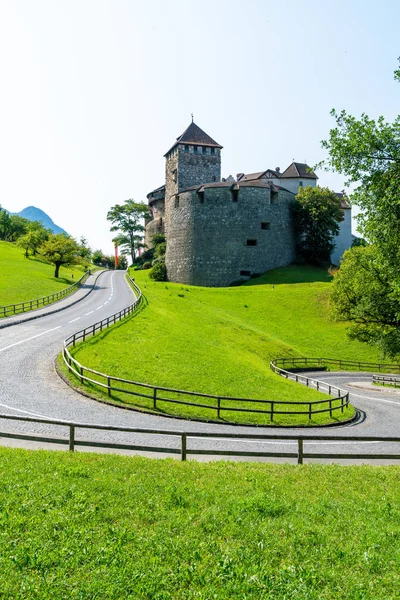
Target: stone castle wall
[209, 235]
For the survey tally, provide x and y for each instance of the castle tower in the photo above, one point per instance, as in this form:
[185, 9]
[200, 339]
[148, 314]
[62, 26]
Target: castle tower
[194, 159]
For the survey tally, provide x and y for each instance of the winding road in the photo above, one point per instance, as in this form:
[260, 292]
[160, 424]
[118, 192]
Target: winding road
[30, 386]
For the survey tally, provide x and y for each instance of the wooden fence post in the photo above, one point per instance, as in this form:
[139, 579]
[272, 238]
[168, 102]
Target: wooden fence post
[183, 446]
[300, 451]
[71, 438]
[154, 397]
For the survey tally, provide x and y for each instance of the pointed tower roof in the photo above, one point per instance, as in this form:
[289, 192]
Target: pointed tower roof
[194, 135]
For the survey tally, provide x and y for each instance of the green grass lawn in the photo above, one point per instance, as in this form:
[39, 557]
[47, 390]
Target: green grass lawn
[221, 340]
[23, 279]
[86, 527]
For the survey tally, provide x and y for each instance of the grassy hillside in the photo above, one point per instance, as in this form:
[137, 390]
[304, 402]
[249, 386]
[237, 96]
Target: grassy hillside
[23, 279]
[221, 340]
[106, 527]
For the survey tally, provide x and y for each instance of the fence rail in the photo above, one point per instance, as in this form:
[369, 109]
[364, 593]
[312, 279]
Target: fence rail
[21, 307]
[217, 404]
[184, 437]
[340, 363]
[386, 380]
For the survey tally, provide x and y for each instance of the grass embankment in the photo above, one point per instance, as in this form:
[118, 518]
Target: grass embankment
[96, 526]
[23, 279]
[221, 340]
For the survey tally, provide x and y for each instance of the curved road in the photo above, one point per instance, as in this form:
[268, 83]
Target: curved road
[29, 386]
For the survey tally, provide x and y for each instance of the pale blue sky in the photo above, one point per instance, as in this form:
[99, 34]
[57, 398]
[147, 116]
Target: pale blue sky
[94, 92]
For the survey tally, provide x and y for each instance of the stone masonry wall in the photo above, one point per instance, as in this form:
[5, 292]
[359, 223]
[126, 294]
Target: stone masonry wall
[207, 240]
[185, 169]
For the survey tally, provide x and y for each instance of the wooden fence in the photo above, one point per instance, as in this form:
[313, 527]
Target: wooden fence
[217, 404]
[183, 437]
[392, 381]
[21, 307]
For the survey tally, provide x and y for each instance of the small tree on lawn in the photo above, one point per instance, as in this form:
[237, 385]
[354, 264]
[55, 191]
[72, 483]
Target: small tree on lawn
[34, 237]
[60, 250]
[317, 213]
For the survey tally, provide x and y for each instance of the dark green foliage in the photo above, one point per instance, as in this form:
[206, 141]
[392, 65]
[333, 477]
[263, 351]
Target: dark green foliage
[159, 271]
[317, 214]
[363, 293]
[146, 265]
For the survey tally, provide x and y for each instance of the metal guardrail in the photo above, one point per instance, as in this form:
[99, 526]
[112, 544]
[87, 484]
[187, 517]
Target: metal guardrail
[21, 307]
[218, 403]
[392, 381]
[185, 436]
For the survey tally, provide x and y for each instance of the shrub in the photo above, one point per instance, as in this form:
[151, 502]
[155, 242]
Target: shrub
[159, 271]
[146, 265]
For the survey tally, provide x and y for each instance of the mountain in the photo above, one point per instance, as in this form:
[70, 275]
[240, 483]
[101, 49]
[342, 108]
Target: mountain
[35, 214]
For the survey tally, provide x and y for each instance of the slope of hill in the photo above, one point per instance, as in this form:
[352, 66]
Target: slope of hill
[36, 214]
[221, 340]
[23, 279]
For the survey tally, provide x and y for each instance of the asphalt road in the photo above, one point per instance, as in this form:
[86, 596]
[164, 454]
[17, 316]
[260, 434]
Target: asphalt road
[30, 386]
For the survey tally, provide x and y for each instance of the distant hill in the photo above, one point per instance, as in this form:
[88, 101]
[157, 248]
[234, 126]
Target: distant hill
[35, 214]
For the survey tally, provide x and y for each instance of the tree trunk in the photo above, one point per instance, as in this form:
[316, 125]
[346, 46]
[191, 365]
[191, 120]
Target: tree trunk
[58, 265]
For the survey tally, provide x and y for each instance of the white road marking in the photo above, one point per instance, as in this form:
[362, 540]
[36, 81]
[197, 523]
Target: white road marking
[372, 398]
[27, 412]
[107, 301]
[28, 339]
[73, 320]
[89, 313]
[99, 307]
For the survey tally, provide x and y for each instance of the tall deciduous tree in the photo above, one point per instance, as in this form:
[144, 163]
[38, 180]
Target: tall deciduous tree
[127, 220]
[367, 152]
[317, 214]
[60, 250]
[362, 293]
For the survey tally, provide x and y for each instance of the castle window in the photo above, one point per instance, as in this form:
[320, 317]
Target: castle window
[235, 195]
[245, 273]
[204, 150]
[175, 175]
[251, 242]
[300, 183]
[212, 151]
[194, 149]
[177, 201]
[200, 193]
[274, 197]
[265, 225]
[186, 148]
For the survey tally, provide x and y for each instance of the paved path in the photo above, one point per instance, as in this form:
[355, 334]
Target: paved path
[29, 386]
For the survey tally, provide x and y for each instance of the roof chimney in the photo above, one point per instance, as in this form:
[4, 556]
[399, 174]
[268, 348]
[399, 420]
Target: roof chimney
[278, 169]
[239, 176]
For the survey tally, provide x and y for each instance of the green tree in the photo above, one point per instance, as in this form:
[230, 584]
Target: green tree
[362, 293]
[127, 220]
[60, 250]
[367, 152]
[317, 214]
[35, 235]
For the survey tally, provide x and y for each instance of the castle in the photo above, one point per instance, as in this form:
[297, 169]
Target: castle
[219, 231]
